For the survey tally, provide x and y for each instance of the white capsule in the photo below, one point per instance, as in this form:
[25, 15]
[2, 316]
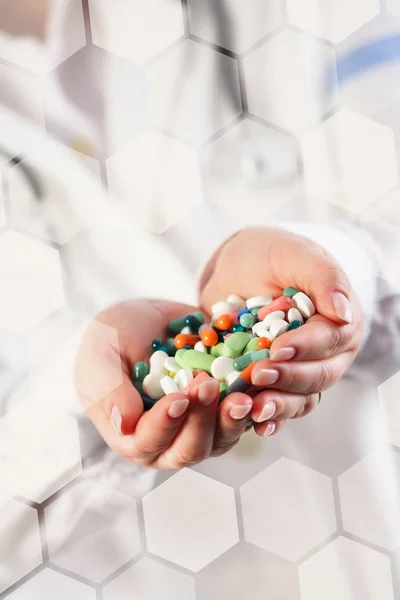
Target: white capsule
[168, 385]
[171, 365]
[200, 347]
[186, 330]
[278, 327]
[269, 319]
[221, 308]
[304, 304]
[258, 301]
[231, 377]
[295, 315]
[183, 378]
[152, 385]
[157, 361]
[237, 301]
[260, 330]
[221, 367]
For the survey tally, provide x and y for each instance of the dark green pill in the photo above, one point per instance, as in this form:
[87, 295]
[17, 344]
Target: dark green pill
[237, 327]
[140, 370]
[164, 349]
[295, 325]
[193, 322]
[156, 344]
[176, 326]
[138, 385]
[148, 403]
[170, 345]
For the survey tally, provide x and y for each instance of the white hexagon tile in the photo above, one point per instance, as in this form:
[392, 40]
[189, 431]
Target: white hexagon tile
[248, 22]
[246, 571]
[186, 92]
[135, 30]
[390, 406]
[253, 164]
[349, 160]
[31, 282]
[190, 520]
[159, 178]
[333, 20]
[39, 451]
[103, 531]
[284, 79]
[381, 221]
[288, 509]
[366, 576]
[43, 585]
[148, 580]
[18, 522]
[370, 499]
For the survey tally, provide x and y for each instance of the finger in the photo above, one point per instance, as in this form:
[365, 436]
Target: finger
[193, 443]
[157, 428]
[318, 339]
[278, 406]
[232, 420]
[268, 428]
[308, 377]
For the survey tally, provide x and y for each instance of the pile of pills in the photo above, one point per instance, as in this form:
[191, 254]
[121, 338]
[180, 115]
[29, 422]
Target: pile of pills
[240, 334]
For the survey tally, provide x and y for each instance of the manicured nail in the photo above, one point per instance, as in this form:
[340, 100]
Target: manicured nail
[208, 392]
[116, 420]
[267, 412]
[266, 377]
[284, 354]
[177, 408]
[240, 412]
[342, 307]
[270, 429]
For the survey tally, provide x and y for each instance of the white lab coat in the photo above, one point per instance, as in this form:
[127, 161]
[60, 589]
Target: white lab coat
[107, 255]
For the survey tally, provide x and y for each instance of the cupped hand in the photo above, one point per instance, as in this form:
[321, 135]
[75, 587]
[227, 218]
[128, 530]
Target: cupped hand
[181, 429]
[302, 362]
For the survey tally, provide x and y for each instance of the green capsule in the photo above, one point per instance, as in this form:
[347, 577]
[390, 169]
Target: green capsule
[193, 322]
[176, 326]
[295, 325]
[222, 391]
[217, 350]
[247, 320]
[140, 370]
[237, 341]
[179, 356]
[138, 385]
[194, 359]
[237, 327]
[290, 292]
[254, 311]
[252, 345]
[242, 362]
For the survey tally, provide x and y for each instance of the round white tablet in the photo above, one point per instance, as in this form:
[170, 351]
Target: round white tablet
[304, 304]
[221, 367]
[278, 327]
[269, 319]
[258, 301]
[295, 315]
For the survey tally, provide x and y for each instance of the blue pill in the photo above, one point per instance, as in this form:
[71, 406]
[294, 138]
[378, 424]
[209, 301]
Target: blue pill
[244, 311]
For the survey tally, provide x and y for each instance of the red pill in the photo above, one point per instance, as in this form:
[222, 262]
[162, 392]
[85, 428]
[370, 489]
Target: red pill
[208, 336]
[223, 322]
[185, 339]
[263, 343]
[283, 303]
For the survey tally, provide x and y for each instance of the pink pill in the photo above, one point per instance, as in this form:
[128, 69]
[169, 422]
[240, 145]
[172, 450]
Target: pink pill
[234, 316]
[283, 303]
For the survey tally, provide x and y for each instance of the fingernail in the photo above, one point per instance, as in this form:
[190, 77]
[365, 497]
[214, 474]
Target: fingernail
[116, 420]
[266, 377]
[267, 412]
[240, 412]
[284, 354]
[342, 307]
[270, 429]
[177, 408]
[208, 392]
